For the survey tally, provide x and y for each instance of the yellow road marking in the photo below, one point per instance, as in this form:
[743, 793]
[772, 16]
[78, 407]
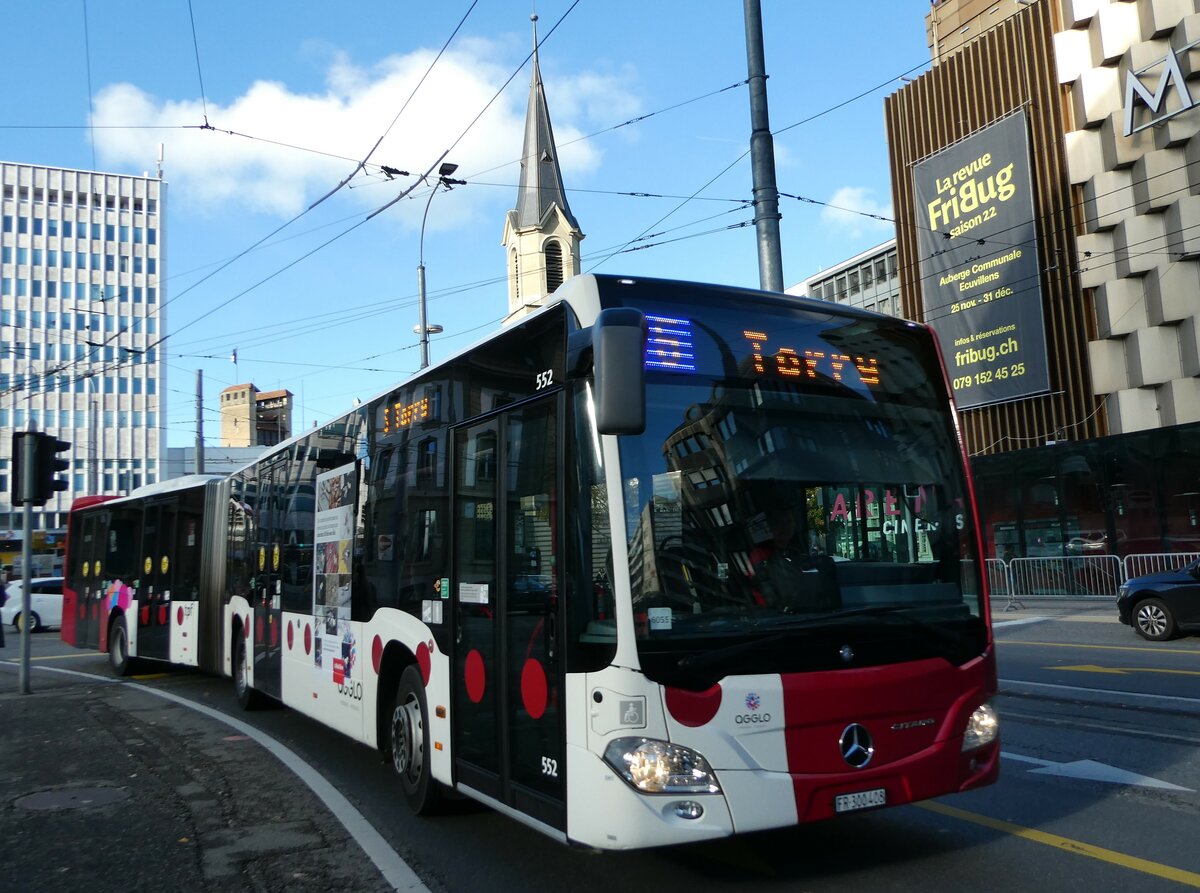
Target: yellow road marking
[1179, 875]
[1192, 652]
[1124, 671]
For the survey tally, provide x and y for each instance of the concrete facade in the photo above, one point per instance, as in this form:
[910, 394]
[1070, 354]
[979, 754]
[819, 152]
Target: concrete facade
[1140, 244]
[951, 25]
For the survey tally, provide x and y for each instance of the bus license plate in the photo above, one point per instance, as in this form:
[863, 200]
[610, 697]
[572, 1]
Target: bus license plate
[861, 800]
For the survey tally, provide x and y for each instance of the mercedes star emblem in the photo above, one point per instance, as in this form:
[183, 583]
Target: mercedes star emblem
[857, 747]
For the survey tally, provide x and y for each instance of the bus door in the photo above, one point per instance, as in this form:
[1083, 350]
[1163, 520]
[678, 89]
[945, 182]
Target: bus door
[185, 557]
[509, 739]
[267, 588]
[154, 587]
[85, 574]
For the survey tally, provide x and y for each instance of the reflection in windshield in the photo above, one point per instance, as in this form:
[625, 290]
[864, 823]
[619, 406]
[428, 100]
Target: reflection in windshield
[753, 501]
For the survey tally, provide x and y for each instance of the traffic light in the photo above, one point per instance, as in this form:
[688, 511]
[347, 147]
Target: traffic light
[44, 465]
[48, 466]
[19, 496]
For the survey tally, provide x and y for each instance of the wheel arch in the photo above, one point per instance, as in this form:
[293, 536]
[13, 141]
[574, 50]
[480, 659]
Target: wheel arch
[396, 658]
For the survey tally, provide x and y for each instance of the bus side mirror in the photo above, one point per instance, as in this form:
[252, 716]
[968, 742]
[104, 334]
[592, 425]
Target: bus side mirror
[618, 352]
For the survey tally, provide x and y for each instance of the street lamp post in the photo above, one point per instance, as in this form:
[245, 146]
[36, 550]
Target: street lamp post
[423, 328]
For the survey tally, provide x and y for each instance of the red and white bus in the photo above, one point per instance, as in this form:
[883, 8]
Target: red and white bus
[661, 563]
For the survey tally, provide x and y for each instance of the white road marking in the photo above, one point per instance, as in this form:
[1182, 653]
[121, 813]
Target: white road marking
[996, 624]
[1108, 692]
[1090, 770]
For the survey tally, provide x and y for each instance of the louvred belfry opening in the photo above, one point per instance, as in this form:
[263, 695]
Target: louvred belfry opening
[554, 266]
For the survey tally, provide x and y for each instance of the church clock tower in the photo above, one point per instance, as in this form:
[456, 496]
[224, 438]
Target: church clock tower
[541, 235]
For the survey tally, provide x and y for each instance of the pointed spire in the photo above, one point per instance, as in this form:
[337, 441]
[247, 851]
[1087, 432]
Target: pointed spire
[541, 180]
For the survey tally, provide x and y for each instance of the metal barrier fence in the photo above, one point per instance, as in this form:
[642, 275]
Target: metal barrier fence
[1081, 577]
[999, 584]
[1156, 563]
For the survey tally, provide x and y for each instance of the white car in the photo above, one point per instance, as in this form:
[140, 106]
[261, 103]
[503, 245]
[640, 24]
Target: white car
[46, 594]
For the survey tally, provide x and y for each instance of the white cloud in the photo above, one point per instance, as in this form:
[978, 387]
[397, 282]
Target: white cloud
[846, 208]
[212, 171]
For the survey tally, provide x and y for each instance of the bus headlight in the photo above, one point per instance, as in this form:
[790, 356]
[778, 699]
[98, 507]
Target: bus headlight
[982, 727]
[659, 767]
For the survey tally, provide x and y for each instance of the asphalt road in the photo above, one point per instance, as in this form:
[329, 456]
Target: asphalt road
[1097, 790]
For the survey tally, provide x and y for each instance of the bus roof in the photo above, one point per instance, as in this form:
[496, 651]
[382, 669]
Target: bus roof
[173, 485]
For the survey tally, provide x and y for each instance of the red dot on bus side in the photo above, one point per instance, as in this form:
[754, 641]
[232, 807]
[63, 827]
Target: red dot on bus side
[693, 708]
[307, 638]
[376, 653]
[291, 635]
[179, 616]
[475, 676]
[534, 688]
[258, 629]
[246, 627]
[145, 615]
[162, 615]
[425, 665]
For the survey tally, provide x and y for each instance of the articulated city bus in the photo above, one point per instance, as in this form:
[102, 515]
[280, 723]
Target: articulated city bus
[661, 563]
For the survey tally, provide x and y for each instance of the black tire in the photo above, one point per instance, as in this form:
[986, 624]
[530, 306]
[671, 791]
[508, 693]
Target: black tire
[1153, 620]
[118, 647]
[248, 698]
[408, 733]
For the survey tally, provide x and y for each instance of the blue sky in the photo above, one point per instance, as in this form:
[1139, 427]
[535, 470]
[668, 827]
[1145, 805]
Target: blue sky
[326, 306]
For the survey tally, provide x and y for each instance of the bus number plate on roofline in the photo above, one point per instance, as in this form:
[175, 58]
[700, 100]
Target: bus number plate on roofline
[861, 800]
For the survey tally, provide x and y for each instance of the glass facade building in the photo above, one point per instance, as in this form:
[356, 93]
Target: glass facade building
[1121, 495]
[81, 313]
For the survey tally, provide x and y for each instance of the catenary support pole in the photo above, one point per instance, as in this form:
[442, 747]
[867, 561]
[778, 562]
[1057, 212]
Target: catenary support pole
[762, 156]
[199, 421]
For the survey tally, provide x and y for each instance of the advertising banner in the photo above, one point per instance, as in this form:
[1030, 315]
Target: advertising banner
[335, 651]
[980, 277]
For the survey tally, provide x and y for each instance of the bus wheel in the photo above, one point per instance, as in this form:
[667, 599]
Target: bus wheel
[248, 698]
[118, 648]
[410, 743]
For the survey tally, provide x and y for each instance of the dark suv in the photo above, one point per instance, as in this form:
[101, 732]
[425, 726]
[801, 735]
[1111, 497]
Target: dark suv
[1158, 606]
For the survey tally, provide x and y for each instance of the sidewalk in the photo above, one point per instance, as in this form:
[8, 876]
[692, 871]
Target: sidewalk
[107, 788]
[1082, 610]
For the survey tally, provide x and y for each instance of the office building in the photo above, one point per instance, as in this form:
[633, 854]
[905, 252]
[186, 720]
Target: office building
[81, 313]
[869, 281]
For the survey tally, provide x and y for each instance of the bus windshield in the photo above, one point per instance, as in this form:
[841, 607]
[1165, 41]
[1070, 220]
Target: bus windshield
[799, 478]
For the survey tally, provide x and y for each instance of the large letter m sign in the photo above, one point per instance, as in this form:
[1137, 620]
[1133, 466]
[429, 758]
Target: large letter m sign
[1155, 101]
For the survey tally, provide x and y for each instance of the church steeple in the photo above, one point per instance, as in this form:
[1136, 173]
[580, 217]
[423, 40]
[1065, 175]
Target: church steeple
[541, 235]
